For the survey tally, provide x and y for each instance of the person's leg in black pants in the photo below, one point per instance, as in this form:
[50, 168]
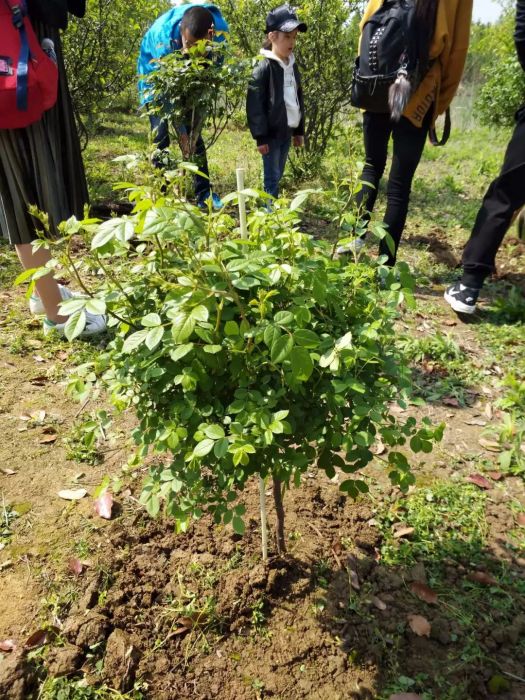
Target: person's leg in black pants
[505, 195]
[161, 136]
[409, 142]
[376, 134]
[202, 184]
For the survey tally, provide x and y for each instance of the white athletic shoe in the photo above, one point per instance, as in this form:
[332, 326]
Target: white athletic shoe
[35, 302]
[462, 299]
[95, 323]
[351, 248]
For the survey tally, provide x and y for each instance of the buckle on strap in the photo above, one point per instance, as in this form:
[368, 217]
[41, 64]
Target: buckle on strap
[18, 12]
[18, 16]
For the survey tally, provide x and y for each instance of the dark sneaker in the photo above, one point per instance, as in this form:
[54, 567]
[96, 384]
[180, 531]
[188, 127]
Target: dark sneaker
[462, 299]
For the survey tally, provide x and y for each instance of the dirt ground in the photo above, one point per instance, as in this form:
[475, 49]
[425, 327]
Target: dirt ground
[197, 615]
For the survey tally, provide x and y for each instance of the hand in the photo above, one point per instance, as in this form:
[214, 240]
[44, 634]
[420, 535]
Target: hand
[184, 141]
[264, 150]
[298, 141]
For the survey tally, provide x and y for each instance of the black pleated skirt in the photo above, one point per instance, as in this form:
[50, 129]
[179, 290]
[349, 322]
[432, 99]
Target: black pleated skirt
[42, 164]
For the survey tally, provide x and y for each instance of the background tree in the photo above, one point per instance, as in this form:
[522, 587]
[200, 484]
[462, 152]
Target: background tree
[503, 81]
[101, 53]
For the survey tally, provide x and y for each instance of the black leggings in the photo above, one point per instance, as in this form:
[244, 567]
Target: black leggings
[505, 195]
[409, 141]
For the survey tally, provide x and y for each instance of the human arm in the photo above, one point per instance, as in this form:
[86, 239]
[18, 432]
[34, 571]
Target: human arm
[257, 103]
[519, 35]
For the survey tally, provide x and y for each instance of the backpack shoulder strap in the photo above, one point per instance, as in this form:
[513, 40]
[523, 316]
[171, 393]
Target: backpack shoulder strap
[446, 131]
[19, 12]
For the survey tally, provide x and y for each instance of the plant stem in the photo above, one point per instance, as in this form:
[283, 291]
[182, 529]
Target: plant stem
[264, 520]
[278, 500]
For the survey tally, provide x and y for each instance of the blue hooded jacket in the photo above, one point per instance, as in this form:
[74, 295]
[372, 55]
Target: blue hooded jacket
[163, 37]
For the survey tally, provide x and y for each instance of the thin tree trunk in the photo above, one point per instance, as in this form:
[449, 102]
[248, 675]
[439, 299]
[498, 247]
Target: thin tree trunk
[278, 499]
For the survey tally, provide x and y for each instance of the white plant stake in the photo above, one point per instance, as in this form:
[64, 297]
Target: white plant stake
[262, 496]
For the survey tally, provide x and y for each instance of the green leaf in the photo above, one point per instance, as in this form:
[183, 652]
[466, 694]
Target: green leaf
[238, 525]
[281, 349]
[153, 506]
[271, 334]
[221, 448]
[212, 349]
[183, 325]
[215, 432]
[75, 325]
[25, 275]
[203, 448]
[121, 229]
[151, 320]
[283, 318]
[306, 338]
[134, 340]
[181, 351]
[154, 337]
[231, 328]
[96, 306]
[302, 365]
[200, 313]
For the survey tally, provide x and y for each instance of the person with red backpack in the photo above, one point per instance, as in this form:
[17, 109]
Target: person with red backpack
[411, 58]
[504, 197]
[40, 156]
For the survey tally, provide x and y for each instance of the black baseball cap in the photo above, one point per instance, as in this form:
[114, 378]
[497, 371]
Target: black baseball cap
[283, 19]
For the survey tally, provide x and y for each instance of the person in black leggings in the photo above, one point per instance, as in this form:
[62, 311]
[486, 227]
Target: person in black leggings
[408, 142]
[444, 31]
[505, 195]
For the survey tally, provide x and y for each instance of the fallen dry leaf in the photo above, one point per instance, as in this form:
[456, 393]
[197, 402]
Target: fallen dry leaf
[482, 577]
[48, 439]
[351, 566]
[378, 448]
[403, 531]
[75, 566]
[520, 519]
[476, 421]
[39, 416]
[72, 494]
[419, 625]
[37, 639]
[41, 380]
[7, 645]
[6, 564]
[424, 592]
[7, 472]
[479, 481]
[378, 603]
[450, 401]
[495, 476]
[24, 417]
[488, 411]
[38, 358]
[103, 505]
[490, 445]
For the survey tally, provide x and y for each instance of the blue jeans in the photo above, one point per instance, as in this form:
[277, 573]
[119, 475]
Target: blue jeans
[273, 165]
[161, 138]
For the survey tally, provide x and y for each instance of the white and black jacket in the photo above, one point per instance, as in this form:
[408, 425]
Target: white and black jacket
[268, 115]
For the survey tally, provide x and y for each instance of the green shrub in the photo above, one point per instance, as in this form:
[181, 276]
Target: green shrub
[242, 357]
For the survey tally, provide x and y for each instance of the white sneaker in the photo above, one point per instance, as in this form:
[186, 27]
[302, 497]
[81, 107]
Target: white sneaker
[351, 248]
[35, 302]
[95, 323]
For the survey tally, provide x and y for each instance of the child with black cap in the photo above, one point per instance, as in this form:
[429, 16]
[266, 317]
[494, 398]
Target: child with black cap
[274, 104]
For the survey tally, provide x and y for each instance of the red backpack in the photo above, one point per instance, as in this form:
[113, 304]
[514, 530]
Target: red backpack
[28, 77]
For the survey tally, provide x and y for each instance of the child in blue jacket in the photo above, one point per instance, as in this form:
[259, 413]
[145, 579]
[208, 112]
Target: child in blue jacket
[177, 30]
